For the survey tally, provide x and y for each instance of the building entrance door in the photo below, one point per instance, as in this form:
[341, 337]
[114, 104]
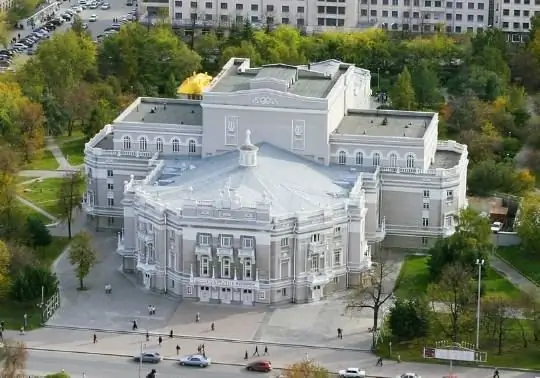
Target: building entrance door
[236, 295]
[147, 280]
[204, 293]
[226, 295]
[247, 296]
[316, 293]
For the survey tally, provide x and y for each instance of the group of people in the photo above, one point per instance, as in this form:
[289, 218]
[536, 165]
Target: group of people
[151, 310]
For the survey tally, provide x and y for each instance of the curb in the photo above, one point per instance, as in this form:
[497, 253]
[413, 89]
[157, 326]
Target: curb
[208, 338]
[236, 364]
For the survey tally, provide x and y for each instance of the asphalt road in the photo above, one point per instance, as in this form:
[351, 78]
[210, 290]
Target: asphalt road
[42, 363]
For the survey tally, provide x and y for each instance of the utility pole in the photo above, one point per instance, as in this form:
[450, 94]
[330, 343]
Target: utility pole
[479, 262]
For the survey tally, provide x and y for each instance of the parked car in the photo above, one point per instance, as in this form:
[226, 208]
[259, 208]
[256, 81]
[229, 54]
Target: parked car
[105, 6]
[151, 357]
[263, 366]
[352, 373]
[92, 18]
[195, 360]
[496, 227]
[408, 375]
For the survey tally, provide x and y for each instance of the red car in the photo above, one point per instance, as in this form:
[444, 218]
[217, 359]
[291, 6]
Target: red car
[261, 365]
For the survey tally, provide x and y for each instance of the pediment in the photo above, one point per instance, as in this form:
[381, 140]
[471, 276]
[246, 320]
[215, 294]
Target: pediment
[269, 98]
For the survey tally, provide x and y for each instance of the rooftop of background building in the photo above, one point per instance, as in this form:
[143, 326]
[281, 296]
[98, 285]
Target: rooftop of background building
[313, 80]
[385, 124]
[168, 111]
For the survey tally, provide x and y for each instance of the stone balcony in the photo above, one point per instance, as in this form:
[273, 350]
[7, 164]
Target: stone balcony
[225, 252]
[203, 250]
[317, 248]
[246, 253]
[147, 237]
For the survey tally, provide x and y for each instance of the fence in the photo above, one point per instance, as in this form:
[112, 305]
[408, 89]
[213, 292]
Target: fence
[50, 306]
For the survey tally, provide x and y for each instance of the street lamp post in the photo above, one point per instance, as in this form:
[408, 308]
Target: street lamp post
[480, 263]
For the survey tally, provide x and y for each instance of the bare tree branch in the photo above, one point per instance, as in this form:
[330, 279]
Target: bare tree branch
[15, 356]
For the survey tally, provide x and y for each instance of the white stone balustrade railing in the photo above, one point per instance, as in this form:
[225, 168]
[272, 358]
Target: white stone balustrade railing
[98, 137]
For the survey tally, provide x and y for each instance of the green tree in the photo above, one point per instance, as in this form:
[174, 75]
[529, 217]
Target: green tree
[528, 227]
[4, 30]
[27, 284]
[426, 87]
[402, 93]
[170, 87]
[58, 375]
[4, 269]
[101, 115]
[37, 232]
[78, 26]
[20, 9]
[409, 319]
[69, 197]
[82, 256]
[455, 292]
[208, 47]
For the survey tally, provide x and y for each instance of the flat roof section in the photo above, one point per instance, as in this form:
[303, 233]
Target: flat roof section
[308, 83]
[106, 143]
[390, 125]
[171, 113]
[445, 159]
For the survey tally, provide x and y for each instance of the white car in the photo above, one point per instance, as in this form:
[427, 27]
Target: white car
[352, 373]
[409, 375]
[496, 227]
[93, 18]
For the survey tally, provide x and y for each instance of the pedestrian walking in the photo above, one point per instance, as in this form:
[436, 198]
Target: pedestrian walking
[171, 334]
[256, 352]
[21, 331]
[135, 326]
[266, 351]
[339, 333]
[246, 355]
[398, 358]
[199, 349]
[25, 318]
[95, 338]
[379, 362]
[1, 336]
[496, 373]
[197, 317]
[2, 325]
[160, 340]
[147, 336]
[213, 326]
[177, 349]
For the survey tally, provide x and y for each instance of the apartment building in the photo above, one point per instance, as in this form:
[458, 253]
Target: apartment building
[5, 5]
[277, 185]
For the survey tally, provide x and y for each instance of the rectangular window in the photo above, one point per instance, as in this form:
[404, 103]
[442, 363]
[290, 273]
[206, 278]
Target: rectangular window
[226, 241]
[204, 239]
[262, 295]
[110, 186]
[239, 7]
[269, 8]
[226, 268]
[300, 10]
[285, 9]
[284, 269]
[449, 221]
[178, 3]
[247, 242]
[254, 7]
[208, 5]
[110, 173]
[315, 238]
[449, 195]
[426, 205]
[224, 5]
[337, 230]
[247, 269]
[110, 202]
[284, 242]
[425, 222]
[205, 267]
[426, 193]
[315, 263]
[337, 257]
[424, 240]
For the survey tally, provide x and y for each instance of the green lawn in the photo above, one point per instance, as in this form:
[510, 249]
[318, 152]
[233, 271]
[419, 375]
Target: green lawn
[46, 163]
[73, 147]
[29, 212]
[12, 312]
[527, 263]
[21, 179]
[413, 280]
[42, 193]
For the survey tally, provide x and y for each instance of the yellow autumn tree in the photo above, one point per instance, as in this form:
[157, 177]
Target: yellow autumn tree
[524, 181]
[306, 369]
[4, 269]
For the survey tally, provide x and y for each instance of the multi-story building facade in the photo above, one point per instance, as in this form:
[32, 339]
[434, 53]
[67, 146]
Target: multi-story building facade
[277, 185]
[514, 17]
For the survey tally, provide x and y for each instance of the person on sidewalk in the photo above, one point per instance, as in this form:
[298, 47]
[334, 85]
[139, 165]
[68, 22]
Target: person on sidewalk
[266, 351]
[147, 336]
[379, 362]
[177, 349]
[134, 327]
[160, 340]
[213, 326]
[339, 333]
[197, 317]
[246, 355]
[171, 334]
[256, 352]
[398, 358]
[496, 373]
[95, 338]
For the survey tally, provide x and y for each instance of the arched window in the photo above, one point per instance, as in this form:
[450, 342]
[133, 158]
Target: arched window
[359, 158]
[175, 145]
[393, 160]
[192, 146]
[143, 143]
[376, 159]
[410, 161]
[159, 145]
[126, 143]
[342, 157]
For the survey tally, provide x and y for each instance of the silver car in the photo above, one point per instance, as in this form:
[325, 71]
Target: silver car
[151, 357]
[195, 360]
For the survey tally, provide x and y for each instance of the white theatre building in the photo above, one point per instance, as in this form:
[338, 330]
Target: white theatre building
[276, 186]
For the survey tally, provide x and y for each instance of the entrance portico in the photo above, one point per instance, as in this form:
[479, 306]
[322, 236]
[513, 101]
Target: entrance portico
[226, 290]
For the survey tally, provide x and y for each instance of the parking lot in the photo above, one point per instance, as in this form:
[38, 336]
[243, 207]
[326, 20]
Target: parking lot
[97, 17]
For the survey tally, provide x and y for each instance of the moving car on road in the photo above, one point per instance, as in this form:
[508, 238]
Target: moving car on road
[352, 373]
[151, 357]
[93, 18]
[263, 366]
[195, 360]
[408, 375]
[105, 6]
